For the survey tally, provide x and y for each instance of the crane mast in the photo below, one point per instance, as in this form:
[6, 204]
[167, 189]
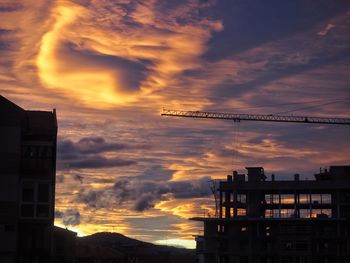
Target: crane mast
[254, 117]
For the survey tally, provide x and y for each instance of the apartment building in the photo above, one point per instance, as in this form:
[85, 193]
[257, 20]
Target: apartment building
[27, 183]
[264, 220]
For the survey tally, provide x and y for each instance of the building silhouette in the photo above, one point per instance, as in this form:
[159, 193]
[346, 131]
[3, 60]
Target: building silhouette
[27, 183]
[297, 221]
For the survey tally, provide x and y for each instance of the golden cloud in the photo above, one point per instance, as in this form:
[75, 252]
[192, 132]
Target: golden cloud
[103, 66]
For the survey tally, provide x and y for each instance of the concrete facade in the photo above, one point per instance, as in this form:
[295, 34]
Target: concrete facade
[27, 183]
[260, 220]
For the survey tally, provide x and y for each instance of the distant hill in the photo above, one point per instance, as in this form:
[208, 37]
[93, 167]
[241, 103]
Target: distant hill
[117, 246]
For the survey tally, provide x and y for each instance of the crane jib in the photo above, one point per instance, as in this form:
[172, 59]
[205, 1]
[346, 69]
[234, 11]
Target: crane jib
[255, 117]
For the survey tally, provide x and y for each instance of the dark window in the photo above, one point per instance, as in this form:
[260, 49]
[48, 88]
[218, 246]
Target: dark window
[33, 151]
[41, 151]
[25, 151]
[27, 210]
[42, 211]
[49, 152]
[43, 192]
[9, 228]
[287, 245]
[244, 245]
[28, 192]
[301, 246]
[242, 198]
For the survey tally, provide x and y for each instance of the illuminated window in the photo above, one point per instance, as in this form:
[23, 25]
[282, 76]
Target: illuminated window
[241, 212]
[304, 198]
[287, 199]
[268, 213]
[316, 199]
[223, 212]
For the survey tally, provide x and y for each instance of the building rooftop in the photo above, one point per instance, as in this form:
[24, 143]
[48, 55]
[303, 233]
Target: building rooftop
[13, 115]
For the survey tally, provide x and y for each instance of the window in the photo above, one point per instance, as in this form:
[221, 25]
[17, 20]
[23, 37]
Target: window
[35, 200]
[242, 198]
[241, 212]
[272, 213]
[287, 213]
[304, 198]
[271, 198]
[287, 245]
[223, 212]
[227, 197]
[326, 198]
[232, 212]
[43, 192]
[27, 210]
[301, 245]
[221, 228]
[36, 151]
[304, 213]
[268, 213]
[28, 192]
[287, 199]
[316, 199]
[244, 229]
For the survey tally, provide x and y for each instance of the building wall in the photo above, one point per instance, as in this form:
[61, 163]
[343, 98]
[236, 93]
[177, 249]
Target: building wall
[9, 181]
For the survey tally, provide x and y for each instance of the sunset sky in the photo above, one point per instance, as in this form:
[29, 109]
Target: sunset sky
[109, 67]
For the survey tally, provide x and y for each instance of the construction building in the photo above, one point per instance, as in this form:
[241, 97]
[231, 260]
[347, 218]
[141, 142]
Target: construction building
[27, 183]
[264, 220]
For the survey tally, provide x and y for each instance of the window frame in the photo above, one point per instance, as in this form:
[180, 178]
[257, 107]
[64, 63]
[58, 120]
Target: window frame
[36, 203]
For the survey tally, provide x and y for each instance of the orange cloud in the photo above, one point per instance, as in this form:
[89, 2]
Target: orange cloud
[81, 61]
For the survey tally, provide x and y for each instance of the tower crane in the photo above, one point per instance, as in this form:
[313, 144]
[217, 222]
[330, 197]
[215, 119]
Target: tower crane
[252, 117]
[255, 117]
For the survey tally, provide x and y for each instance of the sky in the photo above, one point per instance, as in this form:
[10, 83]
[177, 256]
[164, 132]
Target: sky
[109, 67]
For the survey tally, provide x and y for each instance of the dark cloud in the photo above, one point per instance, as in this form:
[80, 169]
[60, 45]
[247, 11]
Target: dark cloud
[78, 178]
[98, 162]
[88, 145]
[58, 214]
[60, 178]
[143, 194]
[89, 198]
[144, 202]
[10, 7]
[88, 153]
[71, 217]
